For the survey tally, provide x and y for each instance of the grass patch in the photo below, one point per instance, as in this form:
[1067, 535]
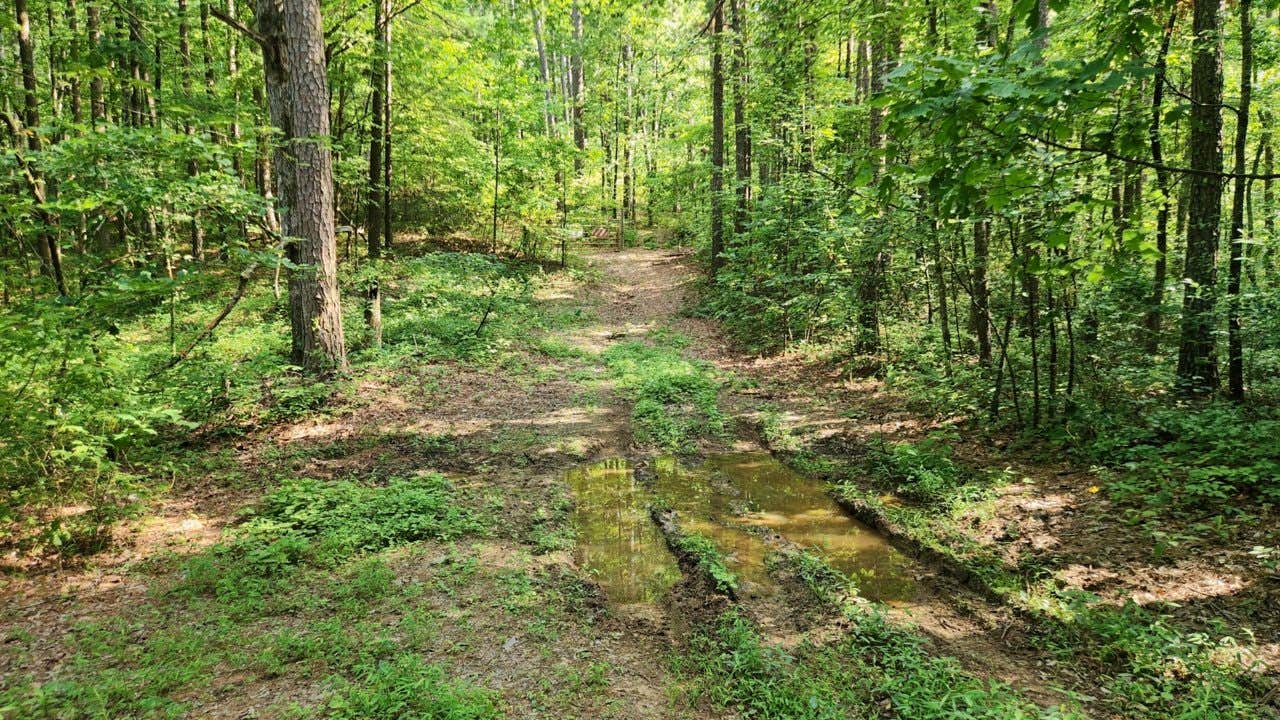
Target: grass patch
[874, 670]
[1156, 670]
[323, 524]
[709, 558]
[674, 398]
[302, 589]
[407, 687]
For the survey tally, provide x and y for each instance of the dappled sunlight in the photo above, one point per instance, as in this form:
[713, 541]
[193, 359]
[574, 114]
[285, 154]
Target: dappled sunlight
[570, 416]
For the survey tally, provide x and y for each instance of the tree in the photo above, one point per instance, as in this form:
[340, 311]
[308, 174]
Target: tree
[1235, 343]
[1197, 356]
[293, 59]
[717, 134]
[375, 211]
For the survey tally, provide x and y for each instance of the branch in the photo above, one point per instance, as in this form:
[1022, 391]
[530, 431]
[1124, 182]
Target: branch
[1105, 152]
[359, 8]
[403, 10]
[237, 25]
[242, 286]
[1196, 103]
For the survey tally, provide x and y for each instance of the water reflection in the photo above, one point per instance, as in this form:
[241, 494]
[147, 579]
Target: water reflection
[724, 499]
[738, 490]
[616, 540]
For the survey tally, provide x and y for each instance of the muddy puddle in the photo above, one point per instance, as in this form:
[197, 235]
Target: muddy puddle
[730, 499]
[616, 541]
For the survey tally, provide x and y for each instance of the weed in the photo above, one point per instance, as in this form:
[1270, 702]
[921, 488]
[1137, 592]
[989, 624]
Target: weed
[923, 471]
[709, 559]
[405, 686]
[675, 399]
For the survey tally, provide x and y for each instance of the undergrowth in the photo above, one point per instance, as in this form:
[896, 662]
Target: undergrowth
[1156, 669]
[92, 416]
[674, 399]
[298, 591]
[874, 669]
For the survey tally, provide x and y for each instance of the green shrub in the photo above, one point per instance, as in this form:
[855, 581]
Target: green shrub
[322, 524]
[923, 471]
[1192, 459]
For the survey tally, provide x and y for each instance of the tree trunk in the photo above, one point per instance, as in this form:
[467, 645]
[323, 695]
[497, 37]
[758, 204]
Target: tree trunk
[373, 196]
[387, 127]
[50, 250]
[298, 96]
[1197, 352]
[741, 130]
[1160, 276]
[980, 305]
[544, 73]
[1235, 343]
[97, 101]
[717, 135]
[575, 89]
[193, 167]
[73, 86]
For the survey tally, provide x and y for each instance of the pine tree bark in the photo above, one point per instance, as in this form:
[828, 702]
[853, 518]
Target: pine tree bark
[1197, 351]
[298, 97]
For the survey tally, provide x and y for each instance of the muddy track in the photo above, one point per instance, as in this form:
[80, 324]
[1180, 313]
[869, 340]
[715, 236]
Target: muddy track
[646, 290]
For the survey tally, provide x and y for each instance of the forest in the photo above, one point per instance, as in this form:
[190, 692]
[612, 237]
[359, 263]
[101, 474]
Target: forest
[617, 359]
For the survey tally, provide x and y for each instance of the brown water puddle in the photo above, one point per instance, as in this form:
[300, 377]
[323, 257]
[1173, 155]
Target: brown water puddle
[724, 499]
[616, 541]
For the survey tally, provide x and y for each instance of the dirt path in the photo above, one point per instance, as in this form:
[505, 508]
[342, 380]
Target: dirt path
[643, 290]
[511, 610]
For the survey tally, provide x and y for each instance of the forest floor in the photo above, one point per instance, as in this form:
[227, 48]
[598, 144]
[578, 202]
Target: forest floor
[495, 615]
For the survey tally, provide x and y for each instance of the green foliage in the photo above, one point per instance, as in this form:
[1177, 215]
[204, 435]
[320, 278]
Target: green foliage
[826, 583]
[674, 399]
[88, 410]
[874, 667]
[736, 669]
[1168, 672]
[459, 306]
[1159, 670]
[710, 560]
[1192, 460]
[922, 471]
[408, 687]
[323, 524]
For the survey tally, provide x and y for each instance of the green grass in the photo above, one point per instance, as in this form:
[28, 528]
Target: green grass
[301, 589]
[874, 670]
[406, 687]
[709, 558]
[674, 398]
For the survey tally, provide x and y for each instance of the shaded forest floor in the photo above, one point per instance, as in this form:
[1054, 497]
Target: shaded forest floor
[486, 612]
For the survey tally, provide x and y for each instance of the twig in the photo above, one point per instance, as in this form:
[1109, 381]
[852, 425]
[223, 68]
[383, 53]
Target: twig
[242, 285]
[236, 24]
